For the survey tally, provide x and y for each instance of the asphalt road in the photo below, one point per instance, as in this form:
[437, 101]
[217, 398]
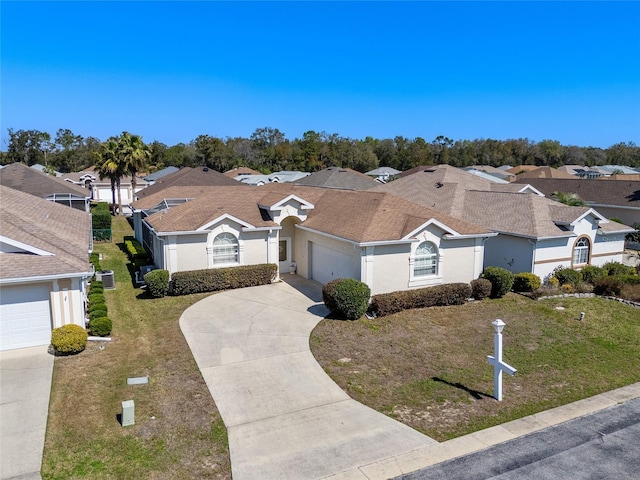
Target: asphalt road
[601, 446]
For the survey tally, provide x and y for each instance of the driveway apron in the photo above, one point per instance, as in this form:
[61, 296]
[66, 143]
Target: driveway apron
[25, 385]
[286, 419]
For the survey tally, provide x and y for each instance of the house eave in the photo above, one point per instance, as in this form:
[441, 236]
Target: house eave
[44, 278]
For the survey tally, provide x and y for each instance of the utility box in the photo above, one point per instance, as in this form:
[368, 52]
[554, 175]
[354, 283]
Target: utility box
[128, 413]
[108, 280]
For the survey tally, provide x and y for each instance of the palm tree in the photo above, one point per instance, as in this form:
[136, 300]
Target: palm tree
[110, 166]
[571, 199]
[134, 155]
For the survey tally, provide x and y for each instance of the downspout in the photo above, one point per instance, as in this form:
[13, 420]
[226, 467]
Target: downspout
[533, 256]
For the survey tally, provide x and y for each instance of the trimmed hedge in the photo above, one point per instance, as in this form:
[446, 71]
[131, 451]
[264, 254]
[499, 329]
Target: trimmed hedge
[157, 282]
[346, 298]
[480, 288]
[135, 250]
[97, 313]
[526, 282]
[97, 306]
[69, 339]
[501, 280]
[100, 326]
[214, 279]
[439, 296]
[101, 219]
[96, 298]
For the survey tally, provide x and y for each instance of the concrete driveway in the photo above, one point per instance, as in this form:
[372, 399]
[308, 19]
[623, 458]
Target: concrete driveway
[285, 417]
[25, 383]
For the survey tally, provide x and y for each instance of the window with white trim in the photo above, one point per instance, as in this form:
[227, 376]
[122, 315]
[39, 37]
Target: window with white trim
[225, 249]
[581, 251]
[425, 261]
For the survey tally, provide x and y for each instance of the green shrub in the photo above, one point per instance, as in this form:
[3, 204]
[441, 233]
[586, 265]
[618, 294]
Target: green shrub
[96, 298]
[609, 286]
[97, 306]
[97, 314]
[480, 288]
[439, 296]
[96, 289]
[101, 219]
[501, 280]
[69, 339]
[214, 279]
[568, 276]
[96, 284]
[157, 282]
[100, 326]
[590, 273]
[134, 249]
[613, 269]
[526, 282]
[629, 279]
[346, 298]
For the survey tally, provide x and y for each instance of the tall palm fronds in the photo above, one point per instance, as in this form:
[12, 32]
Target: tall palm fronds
[571, 199]
[109, 166]
[134, 155]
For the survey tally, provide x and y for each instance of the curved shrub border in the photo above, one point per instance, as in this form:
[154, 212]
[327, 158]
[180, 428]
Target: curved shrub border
[214, 279]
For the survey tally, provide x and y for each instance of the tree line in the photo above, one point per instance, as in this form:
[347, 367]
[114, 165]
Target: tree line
[268, 150]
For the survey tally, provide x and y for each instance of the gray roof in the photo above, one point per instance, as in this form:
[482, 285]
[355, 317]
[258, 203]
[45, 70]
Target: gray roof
[623, 193]
[340, 178]
[383, 171]
[29, 180]
[160, 173]
[43, 237]
[188, 177]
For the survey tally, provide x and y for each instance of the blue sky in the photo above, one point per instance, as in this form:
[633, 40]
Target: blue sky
[170, 71]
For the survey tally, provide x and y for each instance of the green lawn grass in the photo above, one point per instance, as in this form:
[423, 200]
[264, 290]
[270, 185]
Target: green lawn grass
[178, 432]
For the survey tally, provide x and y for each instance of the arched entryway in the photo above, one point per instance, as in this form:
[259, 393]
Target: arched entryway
[286, 243]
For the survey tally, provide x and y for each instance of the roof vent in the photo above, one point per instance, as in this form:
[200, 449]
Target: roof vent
[205, 169]
[439, 184]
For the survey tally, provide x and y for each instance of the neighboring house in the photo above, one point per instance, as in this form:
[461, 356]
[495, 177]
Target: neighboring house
[43, 169]
[383, 174]
[501, 173]
[234, 172]
[155, 176]
[612, 169]
[44, 266]
[101, 187]
[612, 198]
[518, 169]
[188, 177]
[385, 241]
[20, 177]
[276, 177]
[337, 177]
[545, 172]
[534, 233]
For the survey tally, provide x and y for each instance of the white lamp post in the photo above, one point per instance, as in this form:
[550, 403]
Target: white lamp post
[498, 365]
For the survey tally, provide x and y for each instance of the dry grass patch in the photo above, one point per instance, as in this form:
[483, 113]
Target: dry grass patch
[428, 368]
[178, 432]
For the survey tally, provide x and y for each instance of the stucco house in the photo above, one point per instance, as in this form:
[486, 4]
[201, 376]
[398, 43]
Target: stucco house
[612, 198]
[34, 182]
[44, 267]
[534, 233]
[385, 241]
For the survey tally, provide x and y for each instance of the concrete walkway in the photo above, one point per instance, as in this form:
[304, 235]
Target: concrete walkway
[25, 384]
[285, 417]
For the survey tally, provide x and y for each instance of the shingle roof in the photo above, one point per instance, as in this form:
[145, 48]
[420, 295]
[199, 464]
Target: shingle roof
[160, 173]
[234, 172]
[360, 216]
[625, 193]
[341, 178]
[29, 180]
[546, 172]
[44, 225]
[187, 176]
[499, 208]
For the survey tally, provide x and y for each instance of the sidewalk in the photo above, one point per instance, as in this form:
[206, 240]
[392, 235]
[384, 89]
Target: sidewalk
[286, 418]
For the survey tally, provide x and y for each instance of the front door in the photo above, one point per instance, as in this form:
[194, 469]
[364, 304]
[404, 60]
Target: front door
[284, 254]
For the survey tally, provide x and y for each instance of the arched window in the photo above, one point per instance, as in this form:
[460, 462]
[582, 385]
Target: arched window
[426, 260]
[225, 249]
[581, 251]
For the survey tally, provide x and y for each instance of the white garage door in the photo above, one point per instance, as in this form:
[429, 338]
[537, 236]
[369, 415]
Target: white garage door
[328, 264]
[25, 317]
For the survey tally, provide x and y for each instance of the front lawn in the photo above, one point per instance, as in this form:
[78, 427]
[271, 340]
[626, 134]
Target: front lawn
[178, 432]
[428, 368]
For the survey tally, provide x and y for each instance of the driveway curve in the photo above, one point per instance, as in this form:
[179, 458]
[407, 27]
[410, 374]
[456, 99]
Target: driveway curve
[285, 418]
